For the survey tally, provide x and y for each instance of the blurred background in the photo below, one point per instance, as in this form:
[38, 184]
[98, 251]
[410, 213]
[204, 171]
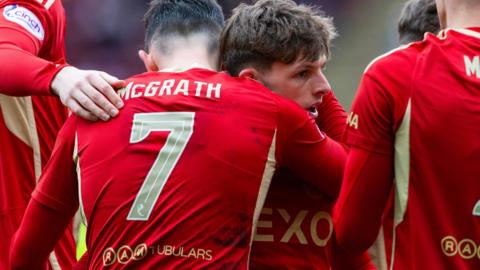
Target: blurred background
[107, 34]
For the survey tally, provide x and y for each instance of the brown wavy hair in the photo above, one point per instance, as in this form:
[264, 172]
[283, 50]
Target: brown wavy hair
[274, 30]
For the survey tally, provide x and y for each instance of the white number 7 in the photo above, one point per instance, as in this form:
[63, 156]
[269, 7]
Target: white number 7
[180, 125]
[476, 209]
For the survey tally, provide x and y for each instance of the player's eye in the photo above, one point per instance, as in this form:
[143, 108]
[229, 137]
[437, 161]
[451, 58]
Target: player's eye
[302, 74]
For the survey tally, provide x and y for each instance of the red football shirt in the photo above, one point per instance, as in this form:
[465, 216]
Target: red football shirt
[29, 122]
[417, 113]
[179, 178]
[295, 226]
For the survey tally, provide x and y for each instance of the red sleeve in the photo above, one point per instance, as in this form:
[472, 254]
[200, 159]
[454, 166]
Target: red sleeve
[366, 188]
[341, 260]
[53, 204]
[58, 185]
[82, 264]
[22, 71]
[377, 112]
[38, 233]
[370, 123]
[23, 74]
[332, 117]
[309, 154]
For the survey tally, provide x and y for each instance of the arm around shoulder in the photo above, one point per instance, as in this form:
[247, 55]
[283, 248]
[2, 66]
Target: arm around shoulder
[36, 237]
[358, 212]
[311, 155]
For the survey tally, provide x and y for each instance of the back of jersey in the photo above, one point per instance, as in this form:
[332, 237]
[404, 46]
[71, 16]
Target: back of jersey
[438, 157]
[187, 159]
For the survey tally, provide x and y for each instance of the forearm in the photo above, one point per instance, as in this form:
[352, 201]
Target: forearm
[320, 164]
[366, 187]
[334, 160]
[36, 237]
[24, 74]
[342, 260]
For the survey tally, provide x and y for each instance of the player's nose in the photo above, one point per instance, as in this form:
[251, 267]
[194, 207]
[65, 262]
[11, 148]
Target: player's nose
[321, 85]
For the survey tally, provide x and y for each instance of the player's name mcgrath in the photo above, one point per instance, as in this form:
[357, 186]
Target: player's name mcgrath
[171, 87]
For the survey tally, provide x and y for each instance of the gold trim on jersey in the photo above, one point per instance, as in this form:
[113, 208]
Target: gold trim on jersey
[402, 165]
[264, 186]
[47, 4]
[54, 261]
[385, 55]
[76, 160]
[464, 31]
[377, 251]
[402, 172]
[19, 118]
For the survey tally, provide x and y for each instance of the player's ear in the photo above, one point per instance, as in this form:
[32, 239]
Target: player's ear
[249, 73]
[147, 60]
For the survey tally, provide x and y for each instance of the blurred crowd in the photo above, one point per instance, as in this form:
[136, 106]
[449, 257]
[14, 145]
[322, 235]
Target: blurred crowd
[106, 35]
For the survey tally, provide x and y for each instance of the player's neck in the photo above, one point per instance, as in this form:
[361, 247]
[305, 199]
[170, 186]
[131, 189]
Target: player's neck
[185, 58]
[463, 16]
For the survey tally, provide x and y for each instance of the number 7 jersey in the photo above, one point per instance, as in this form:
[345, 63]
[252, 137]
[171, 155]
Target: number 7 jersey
[179, 178]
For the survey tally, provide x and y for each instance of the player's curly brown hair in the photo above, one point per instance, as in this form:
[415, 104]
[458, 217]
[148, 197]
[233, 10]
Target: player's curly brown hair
[274, 30]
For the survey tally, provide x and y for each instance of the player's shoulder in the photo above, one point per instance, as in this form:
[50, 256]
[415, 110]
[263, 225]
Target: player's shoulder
[202, 74]
[36, 16]
[69, 128]
[239, 90]
[457, 39]
[142, 76]
[400, 59]
[290, 114]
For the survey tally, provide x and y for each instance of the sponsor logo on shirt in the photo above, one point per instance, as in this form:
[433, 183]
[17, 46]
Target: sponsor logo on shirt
[126, 254]
[476, 209]
[24, 18]
[466, 248]
[319, 224]
[352, 120]
[472, 66]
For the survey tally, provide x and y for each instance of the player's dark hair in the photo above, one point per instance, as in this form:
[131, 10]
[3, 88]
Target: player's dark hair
[273, 30]
[418, 17]
[166, 18]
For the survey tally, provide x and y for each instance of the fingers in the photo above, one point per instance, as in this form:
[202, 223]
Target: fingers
[88, 100]
[78, 110]
[112, 80]
[110, 93]
[88, 93]
[103, 95]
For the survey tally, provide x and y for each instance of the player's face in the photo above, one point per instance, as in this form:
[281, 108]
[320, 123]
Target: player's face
[302, 81]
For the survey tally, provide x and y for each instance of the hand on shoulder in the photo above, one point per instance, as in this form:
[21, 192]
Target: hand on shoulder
[89, 94]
